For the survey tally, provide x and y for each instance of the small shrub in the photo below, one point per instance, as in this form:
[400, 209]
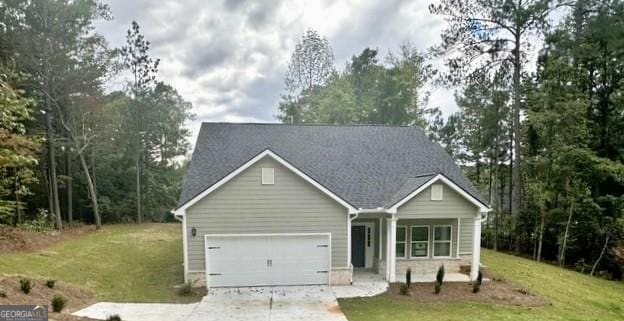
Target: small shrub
[3, 293]
[437, 287]
[114, 317]
[439, 280]
[26, 285]
[403, 289]
[58, 303]
[476, 285]
[50, 283]
[185, 289]
[408, 277]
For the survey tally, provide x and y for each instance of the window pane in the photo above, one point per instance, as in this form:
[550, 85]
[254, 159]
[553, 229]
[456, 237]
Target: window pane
[442, 233]
[420, 233]
[400, 250]
[442, 249]
[400, 237]
[419, 249]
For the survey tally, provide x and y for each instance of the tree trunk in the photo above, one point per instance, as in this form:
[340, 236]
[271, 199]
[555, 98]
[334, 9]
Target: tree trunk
[564, 242]
[540, 236]
[56, 207]
[92, 192]
[517, 183]
[604, 249]
[70, 183]
[138, 189]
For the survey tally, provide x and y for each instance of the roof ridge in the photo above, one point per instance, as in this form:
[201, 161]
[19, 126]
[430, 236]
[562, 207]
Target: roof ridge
[313, 124]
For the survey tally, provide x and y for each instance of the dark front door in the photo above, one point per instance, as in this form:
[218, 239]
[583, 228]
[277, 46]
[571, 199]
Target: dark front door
[358, 243]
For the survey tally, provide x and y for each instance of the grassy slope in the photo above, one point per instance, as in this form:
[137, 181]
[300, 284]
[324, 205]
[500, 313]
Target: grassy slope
[574, 297]
[127, 263]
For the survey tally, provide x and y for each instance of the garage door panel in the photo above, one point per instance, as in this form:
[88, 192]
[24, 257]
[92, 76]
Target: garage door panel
[245, 260]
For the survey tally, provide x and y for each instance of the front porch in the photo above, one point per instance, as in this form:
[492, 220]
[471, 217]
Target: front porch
[421, 244]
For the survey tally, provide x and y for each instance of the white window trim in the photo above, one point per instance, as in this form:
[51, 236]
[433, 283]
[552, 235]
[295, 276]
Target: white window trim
[405, 242]
[428, 241]
[268, 176]
[450, 242]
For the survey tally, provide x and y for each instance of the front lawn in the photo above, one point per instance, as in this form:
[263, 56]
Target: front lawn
[123, 263]
[574, 296]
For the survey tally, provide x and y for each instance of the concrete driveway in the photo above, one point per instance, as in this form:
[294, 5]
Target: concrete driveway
[292, 303]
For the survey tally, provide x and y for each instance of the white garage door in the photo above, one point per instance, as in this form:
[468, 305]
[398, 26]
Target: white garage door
[255, 260]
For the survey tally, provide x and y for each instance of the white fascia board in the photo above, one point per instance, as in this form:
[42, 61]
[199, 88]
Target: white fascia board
[182, 209]
[451, 184]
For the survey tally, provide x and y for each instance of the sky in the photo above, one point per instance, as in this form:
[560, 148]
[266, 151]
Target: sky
[228, 58]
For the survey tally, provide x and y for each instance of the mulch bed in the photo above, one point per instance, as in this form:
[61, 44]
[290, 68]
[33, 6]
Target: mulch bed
[40, 294]
[496, 291]
[18, 240]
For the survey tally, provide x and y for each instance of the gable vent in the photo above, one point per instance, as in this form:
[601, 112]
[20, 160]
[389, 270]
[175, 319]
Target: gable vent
[268, 176]
[437, 192]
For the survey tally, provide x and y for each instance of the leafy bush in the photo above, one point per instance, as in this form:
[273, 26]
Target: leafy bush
[41, 223]
[3, 293]
[476, 285]
[58, 303]
[26, 285]
[50, 283]
[185, 289]
[403, 289]
[439, 279]
[114, 317]
[408, 277]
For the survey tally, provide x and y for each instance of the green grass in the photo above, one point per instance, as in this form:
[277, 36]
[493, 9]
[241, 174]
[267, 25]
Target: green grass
[574, 296]
[123, 263]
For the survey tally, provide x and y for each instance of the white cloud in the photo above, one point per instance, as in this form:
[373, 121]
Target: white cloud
[228, 58]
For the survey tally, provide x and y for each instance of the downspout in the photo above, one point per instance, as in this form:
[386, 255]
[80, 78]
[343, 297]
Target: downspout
[182, 219]
[350, 218]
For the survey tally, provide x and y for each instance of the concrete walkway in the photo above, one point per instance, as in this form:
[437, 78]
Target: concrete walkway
[292, 303]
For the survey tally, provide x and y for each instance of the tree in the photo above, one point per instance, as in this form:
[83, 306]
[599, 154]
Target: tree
[311, 63]
[18, 150]
[144, 70]
[368, 92]
[52, 54]
[486, 36]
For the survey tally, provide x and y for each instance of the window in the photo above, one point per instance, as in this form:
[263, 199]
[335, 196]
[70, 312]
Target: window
[268, 177]
[437, 192]
[401, 241]
[420, 241]
[442, 240]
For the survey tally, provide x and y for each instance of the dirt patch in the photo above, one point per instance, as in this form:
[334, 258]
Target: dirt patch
[17, 240]
[40, 294]
[496, 291]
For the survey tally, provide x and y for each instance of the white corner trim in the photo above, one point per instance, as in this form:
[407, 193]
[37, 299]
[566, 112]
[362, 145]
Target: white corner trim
[448, 182]
[267, 152]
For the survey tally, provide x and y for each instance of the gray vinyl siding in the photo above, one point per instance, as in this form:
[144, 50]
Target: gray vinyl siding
[245, 206]
[466, 232]
[451, 206]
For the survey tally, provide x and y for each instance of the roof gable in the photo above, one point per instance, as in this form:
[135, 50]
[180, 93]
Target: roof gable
[366, 166]
[266, 153]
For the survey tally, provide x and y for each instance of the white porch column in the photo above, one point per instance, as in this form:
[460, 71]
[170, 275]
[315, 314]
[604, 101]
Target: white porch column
[391, 249]
[476, 247]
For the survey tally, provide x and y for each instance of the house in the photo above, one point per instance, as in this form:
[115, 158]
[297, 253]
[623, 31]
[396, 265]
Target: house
[278, 204]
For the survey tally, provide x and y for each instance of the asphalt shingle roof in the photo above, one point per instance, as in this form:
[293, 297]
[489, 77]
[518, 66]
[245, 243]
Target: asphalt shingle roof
[367, 166]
